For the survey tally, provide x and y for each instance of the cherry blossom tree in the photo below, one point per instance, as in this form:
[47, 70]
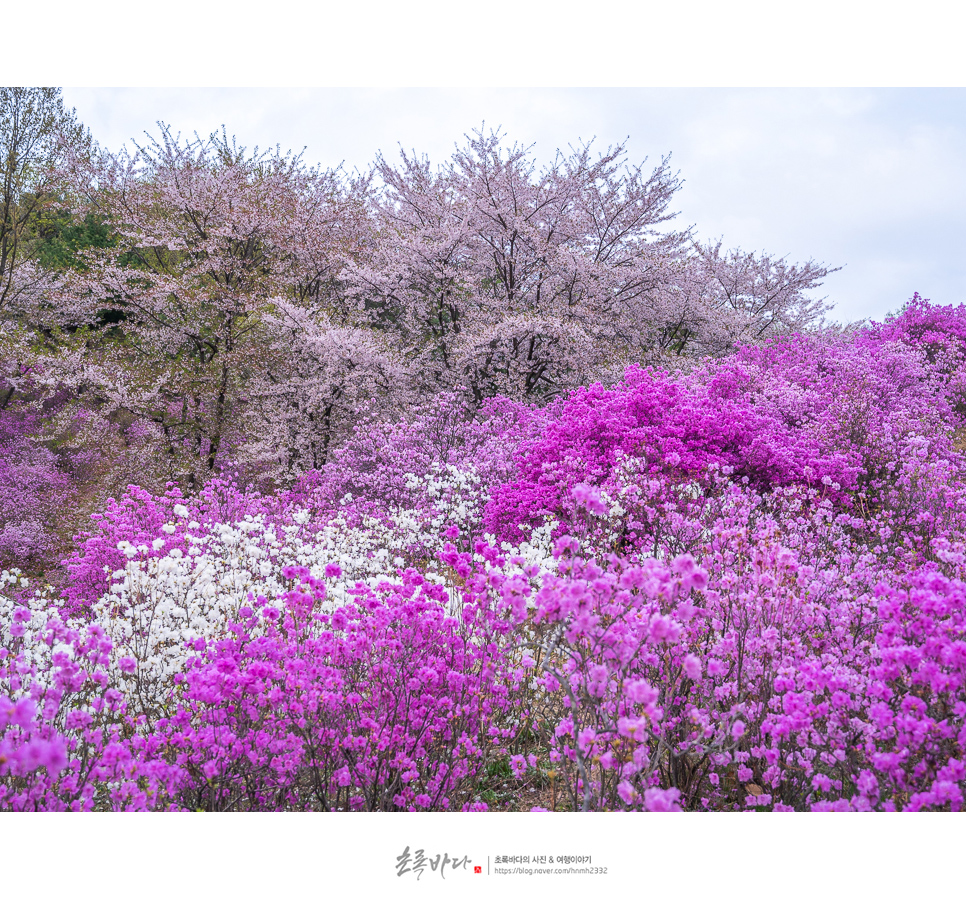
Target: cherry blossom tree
[324, 376]
[746, 296]
[210, 237]
[503, 278]
[36, 132]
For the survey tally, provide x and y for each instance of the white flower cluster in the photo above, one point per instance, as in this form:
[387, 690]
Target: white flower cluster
[157, 605]
[456, 496]
[538, 550]
[41, 606]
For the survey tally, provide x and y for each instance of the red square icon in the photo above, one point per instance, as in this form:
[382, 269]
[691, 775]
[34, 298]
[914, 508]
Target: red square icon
[478, 870]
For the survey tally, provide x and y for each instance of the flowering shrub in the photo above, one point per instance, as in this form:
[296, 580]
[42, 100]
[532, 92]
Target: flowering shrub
[737, 586]
[65, 744]
[32, 485]
[387, 703]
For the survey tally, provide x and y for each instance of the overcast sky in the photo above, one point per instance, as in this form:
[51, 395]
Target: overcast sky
[873, 180]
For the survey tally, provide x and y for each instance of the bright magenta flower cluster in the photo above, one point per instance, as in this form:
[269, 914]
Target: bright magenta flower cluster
[383, 704]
